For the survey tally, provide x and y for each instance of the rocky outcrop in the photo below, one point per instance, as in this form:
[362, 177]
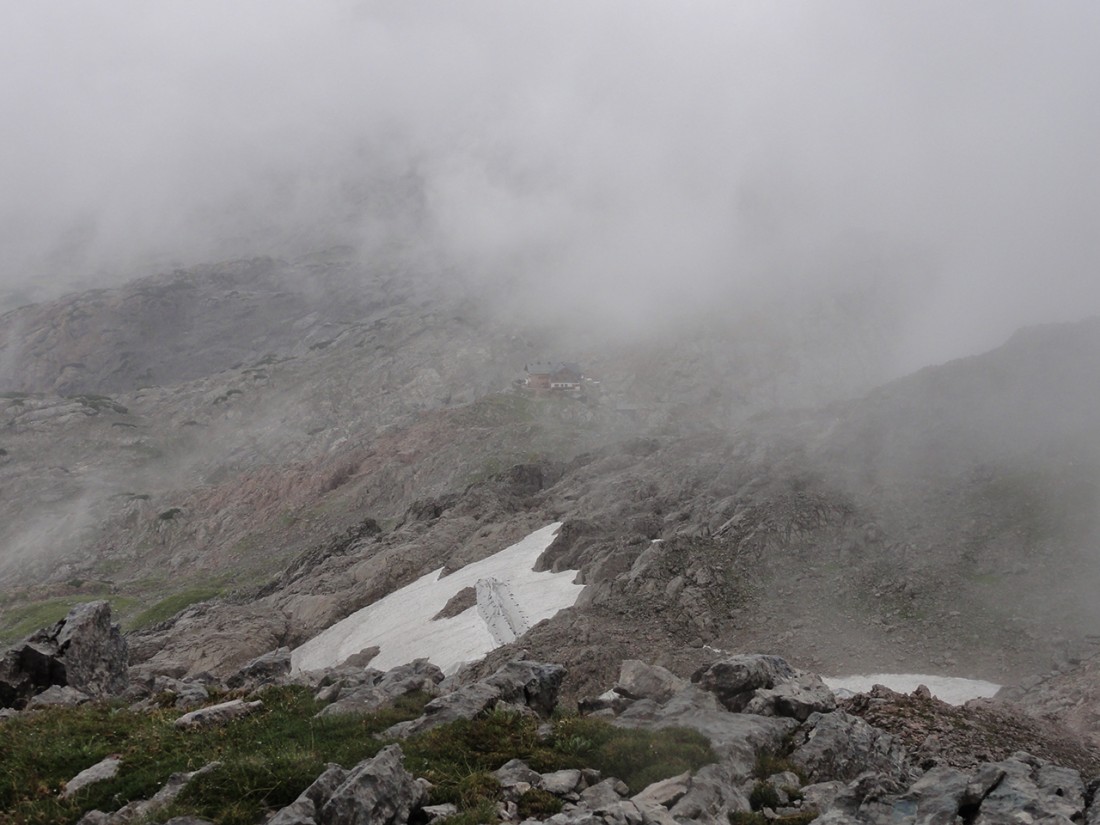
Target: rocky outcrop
[736, 679]
[798, 698]
[831, 746]
[528, 686]
[83, 651]
[418, 676]
[377, 791]
[269, 669]
[1017, 790]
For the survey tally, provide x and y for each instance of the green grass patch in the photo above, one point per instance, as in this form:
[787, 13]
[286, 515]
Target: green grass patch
[535, 803]
[449, 755]
[269, 758]
[168, 607]
[637, 757]
[769, 763]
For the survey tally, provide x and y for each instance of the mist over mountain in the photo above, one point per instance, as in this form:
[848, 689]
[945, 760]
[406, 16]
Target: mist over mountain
[617, 167]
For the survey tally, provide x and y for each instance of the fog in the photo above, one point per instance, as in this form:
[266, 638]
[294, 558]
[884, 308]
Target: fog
[626, 160]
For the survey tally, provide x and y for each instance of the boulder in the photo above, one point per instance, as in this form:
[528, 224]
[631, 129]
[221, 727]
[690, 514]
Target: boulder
[1019, 796]
[83, 651]
[798, 698]
[104, 769]
[712, 795]
[304, 810]
[219, 714]
[667, 792]
[434, 813]
[604, 794]
[465, 703]
[1021, 789]
[271, 668]
[637, 680]
[515, 772]
[530, 683]
[56, 696]
[841, 746]
[563, 782]
[734, 680]
[377, 791]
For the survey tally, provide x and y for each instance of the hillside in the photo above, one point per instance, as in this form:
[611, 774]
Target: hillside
[940, 522]
[346, 470]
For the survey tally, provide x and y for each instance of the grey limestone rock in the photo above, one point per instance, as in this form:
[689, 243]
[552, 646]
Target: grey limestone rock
[841, 746]
[1017, 790]
[1020, 797]
[637, 680]
[55, 695]
[514, 772]
[530, 683]
[436, 812]
[797, 698]
[104, 769]
[416, 676]
[377, 791]
[604, 794]
[563, 782]
[522, 683]
[735, 679]
[218, 714]
[464, 703]
[712, 794]
[269, 669]
[304, 809]
[83, 651]
[139, 810]
[667, 792]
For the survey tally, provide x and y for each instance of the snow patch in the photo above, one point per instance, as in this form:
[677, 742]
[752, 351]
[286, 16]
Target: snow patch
[511, 598]
[950, 689]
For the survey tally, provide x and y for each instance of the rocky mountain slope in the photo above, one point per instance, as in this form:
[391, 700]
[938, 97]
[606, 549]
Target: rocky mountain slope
[747, 740]
[239, 456]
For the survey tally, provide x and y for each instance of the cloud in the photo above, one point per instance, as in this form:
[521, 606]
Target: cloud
[657, 159]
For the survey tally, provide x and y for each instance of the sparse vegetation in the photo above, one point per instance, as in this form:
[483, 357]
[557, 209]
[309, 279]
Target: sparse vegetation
[168, 607]
[763, 795]
[538, 804]
[269, 758]
[769, 763]
[18, 622]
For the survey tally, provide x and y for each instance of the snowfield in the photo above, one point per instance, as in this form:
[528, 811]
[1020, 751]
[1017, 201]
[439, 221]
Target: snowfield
[950, 689]
[511, 598]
